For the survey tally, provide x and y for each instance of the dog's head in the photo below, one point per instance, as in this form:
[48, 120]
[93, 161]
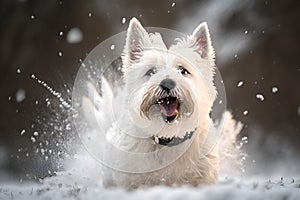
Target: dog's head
[169, 90]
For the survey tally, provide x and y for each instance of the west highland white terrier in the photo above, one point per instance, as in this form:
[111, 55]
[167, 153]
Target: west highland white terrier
[162, 124]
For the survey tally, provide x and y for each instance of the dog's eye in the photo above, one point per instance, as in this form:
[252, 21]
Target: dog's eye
[183, 71]
[151, 72]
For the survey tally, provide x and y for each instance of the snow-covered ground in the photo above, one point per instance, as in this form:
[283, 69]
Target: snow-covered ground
[81, 179]
[54, 188]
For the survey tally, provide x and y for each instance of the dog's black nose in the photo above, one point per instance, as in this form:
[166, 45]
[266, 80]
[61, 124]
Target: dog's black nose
[167, 84]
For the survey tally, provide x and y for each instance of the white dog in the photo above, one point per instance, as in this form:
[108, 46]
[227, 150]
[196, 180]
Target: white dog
[162, 129]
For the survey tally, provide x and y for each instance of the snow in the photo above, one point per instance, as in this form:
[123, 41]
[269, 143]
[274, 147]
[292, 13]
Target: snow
[20, 95]
[74, 35]
[123, 20]
[245, 139]
[47, 102]
[65, 188]
[240, 84]
[112, 47]
[82, 180]
[32, 139]
[260, 97]
[58, 95]
[22, 132]
[275, 90]
[35, 133]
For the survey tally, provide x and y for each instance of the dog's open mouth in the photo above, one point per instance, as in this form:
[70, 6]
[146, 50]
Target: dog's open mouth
[169, 108]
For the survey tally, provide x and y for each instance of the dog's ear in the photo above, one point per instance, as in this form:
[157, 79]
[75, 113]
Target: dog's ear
[136, 41]
[202, 42]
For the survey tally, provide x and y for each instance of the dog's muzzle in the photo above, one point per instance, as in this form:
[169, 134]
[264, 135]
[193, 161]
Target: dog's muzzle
[170, 104]
[167, 99]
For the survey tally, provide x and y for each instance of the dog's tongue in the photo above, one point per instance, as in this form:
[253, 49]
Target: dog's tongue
[169, 107]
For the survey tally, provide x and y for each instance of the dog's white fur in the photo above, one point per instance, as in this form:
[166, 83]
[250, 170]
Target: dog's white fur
[137, 122]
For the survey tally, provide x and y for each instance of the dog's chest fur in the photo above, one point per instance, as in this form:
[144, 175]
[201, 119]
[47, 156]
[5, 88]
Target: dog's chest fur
[198, 165]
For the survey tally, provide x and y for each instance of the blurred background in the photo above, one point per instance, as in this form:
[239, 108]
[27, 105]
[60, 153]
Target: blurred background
[257, 53]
